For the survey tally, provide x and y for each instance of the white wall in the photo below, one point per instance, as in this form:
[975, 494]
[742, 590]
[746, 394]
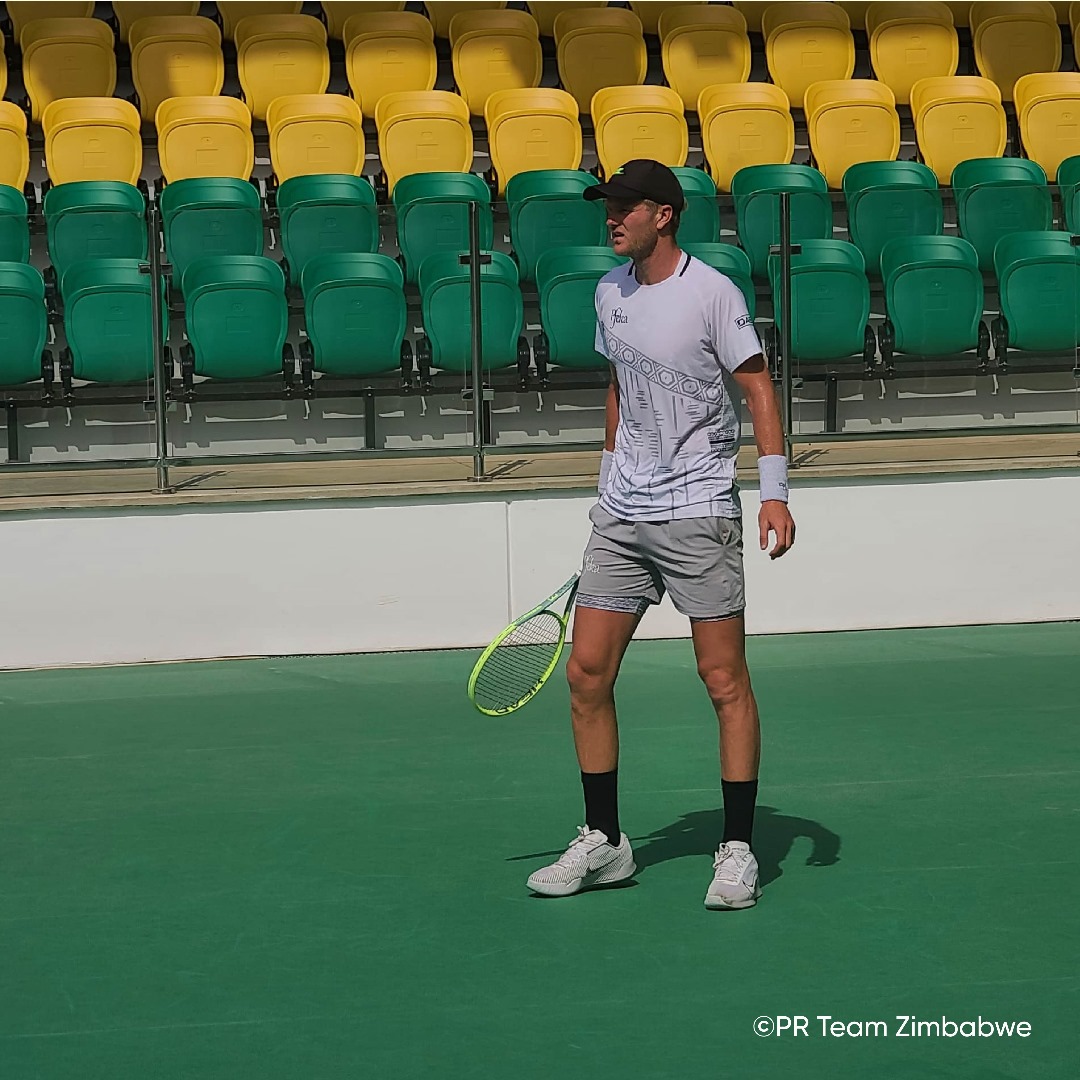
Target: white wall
[162, 585]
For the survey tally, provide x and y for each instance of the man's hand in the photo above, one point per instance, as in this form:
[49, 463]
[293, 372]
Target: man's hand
[776, 518]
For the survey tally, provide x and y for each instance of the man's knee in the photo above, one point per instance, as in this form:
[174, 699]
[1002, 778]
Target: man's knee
[726, 683]
[590, 675]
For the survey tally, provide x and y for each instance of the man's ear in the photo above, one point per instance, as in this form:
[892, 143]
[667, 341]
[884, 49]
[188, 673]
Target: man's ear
[664, 217]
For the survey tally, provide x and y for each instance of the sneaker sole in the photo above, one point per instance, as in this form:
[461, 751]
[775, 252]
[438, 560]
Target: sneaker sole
[545, 888]
[716, 903]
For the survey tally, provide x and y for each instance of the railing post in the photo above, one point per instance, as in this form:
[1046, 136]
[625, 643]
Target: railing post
[154, 268]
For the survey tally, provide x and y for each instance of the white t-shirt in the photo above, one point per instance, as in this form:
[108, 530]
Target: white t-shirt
[674, 345]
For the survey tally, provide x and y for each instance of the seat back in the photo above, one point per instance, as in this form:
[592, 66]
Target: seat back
[596, 48]
[743, 125]
[232, 11]
[129, 12]
[1068, 179]
[66, 58]
[339, 12]
[355, 311]
[732, 262]
[651, 12]
[325, 214]
[911, 41]
[1016, 39]
[532, 129]
[1048, 107]
[757, 208]
[14, 226]
[933, 294]
[444, 300]
[639, 122]
[92, 139]
[957, 119]
[442, 13]
[547, 211]
[1039, 282]
[175, 56]
[432, 211]
[315, 134]
[566, 279]
[493, 51]
[22, 12]
[423, 132]
[388, 52]
[237, 317]
[278, 55]
[204, 136]
[890, 199]
[545, 12]
[14, 147]
[700, 219]
[24, 323]
[702, 45]
[850, 122]
[209, 216]
[807, 43]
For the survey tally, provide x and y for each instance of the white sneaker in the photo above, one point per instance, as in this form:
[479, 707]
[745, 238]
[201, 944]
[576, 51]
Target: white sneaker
[590, 860]
[735, 881]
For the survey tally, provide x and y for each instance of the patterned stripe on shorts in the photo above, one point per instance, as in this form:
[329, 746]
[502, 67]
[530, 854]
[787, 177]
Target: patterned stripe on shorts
[631, 605]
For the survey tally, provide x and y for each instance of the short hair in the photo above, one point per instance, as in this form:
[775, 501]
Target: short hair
[676, 215]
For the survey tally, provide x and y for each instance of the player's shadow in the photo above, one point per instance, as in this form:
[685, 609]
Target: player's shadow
[775, 833]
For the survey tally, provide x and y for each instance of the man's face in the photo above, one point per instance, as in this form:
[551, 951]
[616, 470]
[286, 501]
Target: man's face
[634, 227]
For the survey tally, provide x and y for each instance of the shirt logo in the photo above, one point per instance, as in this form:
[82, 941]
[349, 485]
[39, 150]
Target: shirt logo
[618, 318]
[743, 321]
[590, 566]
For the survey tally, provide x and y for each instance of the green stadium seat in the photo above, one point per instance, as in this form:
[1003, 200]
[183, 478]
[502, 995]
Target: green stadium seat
[94, 219]
[1039, 285]
[14, 226]
[732, 262]
[108, 322]
[1068, 177]
[325, 214]
[237, 318]
[445, 306]
[566, 280]
[547, 211]
[700, 223]
[890, 199]
[215, 215]
[933, 299]
[757, 190]
[998, 196]
[433, 216]
[354, 306]
[830, 302]
[24, 325]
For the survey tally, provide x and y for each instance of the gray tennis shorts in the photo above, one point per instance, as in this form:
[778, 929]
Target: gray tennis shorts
[629, 565]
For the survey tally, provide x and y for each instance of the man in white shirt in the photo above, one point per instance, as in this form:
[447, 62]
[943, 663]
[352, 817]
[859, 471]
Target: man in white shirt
[681, 346]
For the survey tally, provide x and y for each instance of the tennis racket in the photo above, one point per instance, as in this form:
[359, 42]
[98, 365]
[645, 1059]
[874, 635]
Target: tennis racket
[513, 668]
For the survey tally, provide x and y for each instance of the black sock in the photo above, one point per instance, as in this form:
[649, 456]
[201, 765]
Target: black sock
[740, 797]
[602, 803]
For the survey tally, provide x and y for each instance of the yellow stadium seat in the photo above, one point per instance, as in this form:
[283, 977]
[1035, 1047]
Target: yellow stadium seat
[339, 12]
[494, 50]
[649, 12]
[14, 149]
[278, 55]
[598, 47]
[423, 131]
[532, 129]
[22, 12]
[744, 124]
[64, 58]
[92, 139]
[175, 56]
[1074, 24]
[807, 43]
[129, 12]
[1048, 108]
[911, 41]
[752, 11]
[204, 136]
[3, 65]
[955, 119]
[1014, 39]
[856, 12]
[851, 121]
[961, 12]
[546, 11]
[232, 11]
[1061, 9]
[387, 53]
[315, 134]
[639, 122]
[442, 12]
[702, 46]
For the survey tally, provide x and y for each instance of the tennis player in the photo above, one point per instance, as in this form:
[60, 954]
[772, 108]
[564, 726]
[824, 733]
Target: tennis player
[682, 348]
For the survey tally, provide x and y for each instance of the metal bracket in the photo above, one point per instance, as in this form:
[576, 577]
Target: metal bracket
[796, 249]
[466, 260]
[488, 394]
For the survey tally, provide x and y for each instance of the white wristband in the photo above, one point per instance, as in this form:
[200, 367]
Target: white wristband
[772, 471]
[605, 468]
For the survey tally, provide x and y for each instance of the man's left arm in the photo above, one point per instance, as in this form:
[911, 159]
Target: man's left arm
[757, 389]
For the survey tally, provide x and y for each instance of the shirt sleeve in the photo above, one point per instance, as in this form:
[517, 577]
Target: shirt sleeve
[731, 330]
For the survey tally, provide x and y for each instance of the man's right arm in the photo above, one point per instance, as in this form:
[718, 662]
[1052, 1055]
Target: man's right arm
[611, 422]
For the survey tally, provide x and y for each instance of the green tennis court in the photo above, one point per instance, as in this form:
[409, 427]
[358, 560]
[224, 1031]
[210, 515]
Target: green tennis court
[314, 868]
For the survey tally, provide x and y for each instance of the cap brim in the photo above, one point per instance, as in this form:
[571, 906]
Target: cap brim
[612, 189]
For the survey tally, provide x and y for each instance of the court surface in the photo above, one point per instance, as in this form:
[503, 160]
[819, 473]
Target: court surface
[314, 868]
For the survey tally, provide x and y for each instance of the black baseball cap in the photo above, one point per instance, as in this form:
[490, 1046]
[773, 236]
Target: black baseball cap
[641, 178]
